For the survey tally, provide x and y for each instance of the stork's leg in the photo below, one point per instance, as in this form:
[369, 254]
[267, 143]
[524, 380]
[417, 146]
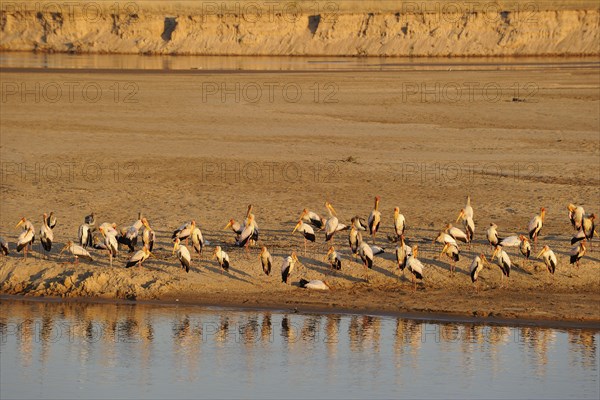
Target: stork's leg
[305, 247]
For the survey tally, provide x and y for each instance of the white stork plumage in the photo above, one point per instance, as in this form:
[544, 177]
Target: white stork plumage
[287, 267]
[492, 235]
[183, 255]
[110, 229]
[110, 243]
[198, 242]
[235, 227]
[403, 251]
[332, 225]
[266, 260]
[366, 255]
[247, 234]
[399, 223]
[535, 225]
[503, 262]
[139, 257]
[577, 253]
[46, 234]
[549, 259]
[51, 220]
[525, 247]
[333, 258]
[250, 220]
[222, 257]
[453, 253]
[27, 225]
[24, 241]
[184, 231]
[307, 231]
[148, 235]
[354, 239]
[84, 234]
[587, 230]
[129, 237]
[445, 238]
[456, 233]
[576, 214]
[414, 266]
[476, 267]
[374, 219]
[467, 223]
[313, 218]
[359, 223]
[314, 284]
[76, 251]
[510, 241]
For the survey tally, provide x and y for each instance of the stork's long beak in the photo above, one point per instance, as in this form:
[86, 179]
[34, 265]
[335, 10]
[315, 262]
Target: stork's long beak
[459, 216]
[540, 253]
[296, 227]
[444, 249]
[151, 255]
[485, 261]
[19, 224]
[494, 254]
[227, 226]
[174, 247]
[332, 209]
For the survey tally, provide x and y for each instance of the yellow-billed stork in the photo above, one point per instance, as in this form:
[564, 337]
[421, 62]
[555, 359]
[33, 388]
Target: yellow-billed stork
[139, 257]
[503, 262]
[266, 260]
[314, 284]
[110, 243]
[535, 225]
[24, 241]
[577, 253]
[46, 235]
[453, 253]
[492, 235]
[148, 235]
[399, 223]
[576, 214]
[222, 257]
[333, 258]
[76, 251]
[403, 251]
[51, 220]
[477, 266]
[414, 266]
[374, 219]
[288, 266]
[313, 218]
[307, 231]
[183, 255]
[549, 259]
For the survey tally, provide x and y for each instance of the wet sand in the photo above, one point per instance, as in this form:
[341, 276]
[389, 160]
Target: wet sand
[178, 146]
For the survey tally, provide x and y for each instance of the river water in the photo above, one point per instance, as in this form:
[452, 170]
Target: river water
[110, 350]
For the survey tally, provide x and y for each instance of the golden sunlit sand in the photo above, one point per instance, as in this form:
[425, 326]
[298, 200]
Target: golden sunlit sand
[178, 146]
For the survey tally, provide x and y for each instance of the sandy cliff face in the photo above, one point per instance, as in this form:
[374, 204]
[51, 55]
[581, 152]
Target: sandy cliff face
[193, 29]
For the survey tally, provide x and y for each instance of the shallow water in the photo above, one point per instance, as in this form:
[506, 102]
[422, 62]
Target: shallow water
[260, 63]
[80, 350]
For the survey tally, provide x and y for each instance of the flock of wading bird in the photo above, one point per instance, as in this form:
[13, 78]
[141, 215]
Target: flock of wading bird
[107, 237]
